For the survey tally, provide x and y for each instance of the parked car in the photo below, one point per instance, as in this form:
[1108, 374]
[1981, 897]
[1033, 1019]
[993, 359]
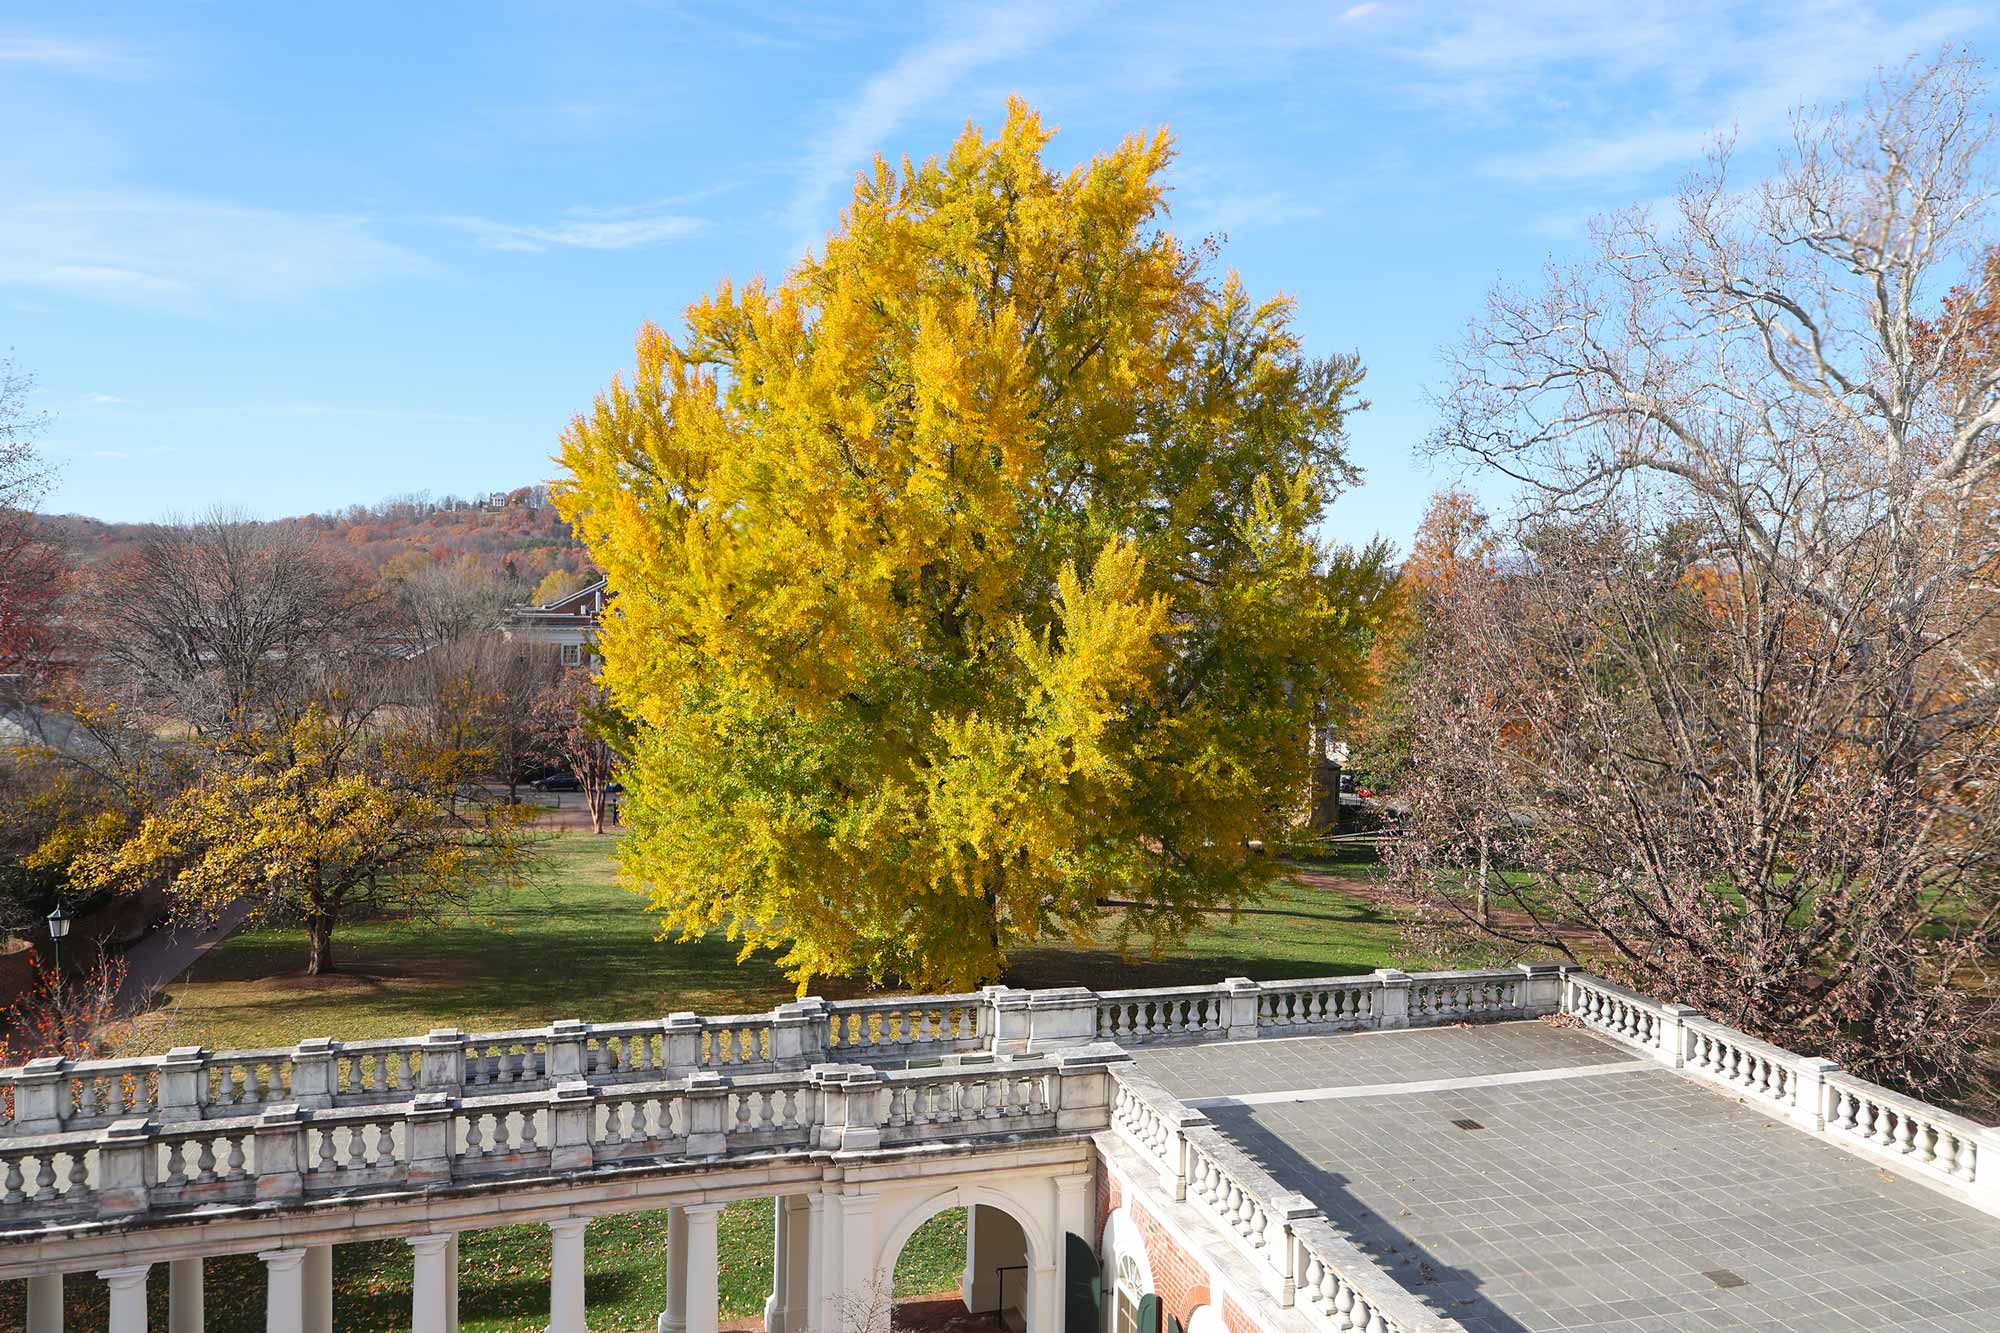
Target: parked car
[558, 782]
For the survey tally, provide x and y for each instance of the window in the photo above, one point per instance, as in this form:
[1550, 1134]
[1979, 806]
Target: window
[572, 654]
[1127, 1317]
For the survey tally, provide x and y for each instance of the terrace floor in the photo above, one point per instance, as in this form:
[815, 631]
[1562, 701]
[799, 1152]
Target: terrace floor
[1519, 1176]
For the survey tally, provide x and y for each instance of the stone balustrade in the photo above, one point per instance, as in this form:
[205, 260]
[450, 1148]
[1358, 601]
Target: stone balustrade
[1813, 1094]
[289, 1152]
[1306, 1262]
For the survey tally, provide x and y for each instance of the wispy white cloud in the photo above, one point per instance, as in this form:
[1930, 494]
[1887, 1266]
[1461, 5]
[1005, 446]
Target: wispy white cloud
[104, 399]
[68, 55]
[623, 228]
[1353, 12]
[919, 78]
[1598, 93]
[176, 251]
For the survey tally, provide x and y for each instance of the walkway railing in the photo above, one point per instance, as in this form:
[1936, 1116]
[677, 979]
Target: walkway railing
[1814, 1095]
[290, 1152]
[190, 1086]
[1305, 1260]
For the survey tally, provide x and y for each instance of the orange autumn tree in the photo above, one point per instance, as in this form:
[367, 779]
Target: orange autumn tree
[967, 576]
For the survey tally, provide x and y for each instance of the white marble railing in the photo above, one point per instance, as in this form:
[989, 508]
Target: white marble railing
[1814, 1095]
[191, 1083]
[1306, 1261]
[293, 1153]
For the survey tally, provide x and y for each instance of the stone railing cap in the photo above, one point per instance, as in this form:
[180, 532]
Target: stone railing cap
[130, 1129]
[285, 1113]
[1095, 1055]
[568, 1026]
[571, 1090]
[682, 1020]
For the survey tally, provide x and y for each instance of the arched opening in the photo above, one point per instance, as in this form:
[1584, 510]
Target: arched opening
[1128, 1276]
[963, 1265]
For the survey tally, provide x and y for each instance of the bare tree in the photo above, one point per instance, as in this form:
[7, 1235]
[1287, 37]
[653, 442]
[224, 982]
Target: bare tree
[1761, 580]
[577, 725]
[448, 602]
[32, 570]
[219, 621]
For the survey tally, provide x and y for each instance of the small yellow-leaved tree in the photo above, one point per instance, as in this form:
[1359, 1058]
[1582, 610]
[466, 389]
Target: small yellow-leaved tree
[319, 820]
[966, 579]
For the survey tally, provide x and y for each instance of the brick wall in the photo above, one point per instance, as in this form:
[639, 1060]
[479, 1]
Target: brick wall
[1179, 1279]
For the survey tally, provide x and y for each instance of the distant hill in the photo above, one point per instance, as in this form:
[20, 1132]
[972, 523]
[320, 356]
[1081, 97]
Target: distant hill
[516, 534]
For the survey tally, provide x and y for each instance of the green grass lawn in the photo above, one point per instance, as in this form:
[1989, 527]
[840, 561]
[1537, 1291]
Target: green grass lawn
[579, 946]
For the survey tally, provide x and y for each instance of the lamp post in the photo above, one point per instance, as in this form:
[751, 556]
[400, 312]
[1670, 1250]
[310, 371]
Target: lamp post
[58, 927]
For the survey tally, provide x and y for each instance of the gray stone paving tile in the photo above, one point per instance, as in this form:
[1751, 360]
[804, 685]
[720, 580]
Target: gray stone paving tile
[1358, 1059]
[1593, 1203]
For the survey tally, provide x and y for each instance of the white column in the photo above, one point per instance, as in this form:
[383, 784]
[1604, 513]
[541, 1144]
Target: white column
[45, 1303]
[861, 1294]
[793, 1286]
[184, 1296]
[774, 1304]
[284, 1290]
[566, 1275]
[451, 1285]
[822, 1253]
[427, 1289]
[674, 1319]
[318, 1289]
[128, 1297]
[704, 1291]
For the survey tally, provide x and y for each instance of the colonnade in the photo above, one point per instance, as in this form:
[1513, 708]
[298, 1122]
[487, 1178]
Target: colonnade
[830, 1272]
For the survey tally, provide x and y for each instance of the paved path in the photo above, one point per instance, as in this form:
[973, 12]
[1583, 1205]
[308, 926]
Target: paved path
[170, 950]
[1522, 1178]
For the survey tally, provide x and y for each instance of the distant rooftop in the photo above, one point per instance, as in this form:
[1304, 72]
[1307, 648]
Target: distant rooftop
[1524, 1177]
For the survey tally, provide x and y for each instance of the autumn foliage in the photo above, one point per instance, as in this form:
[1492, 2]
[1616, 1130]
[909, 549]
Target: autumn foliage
[967, 577]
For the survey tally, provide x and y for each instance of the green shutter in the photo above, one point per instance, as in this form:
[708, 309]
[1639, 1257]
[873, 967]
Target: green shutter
[1149, 1313]
[1173, 1325]
[1083, 1286]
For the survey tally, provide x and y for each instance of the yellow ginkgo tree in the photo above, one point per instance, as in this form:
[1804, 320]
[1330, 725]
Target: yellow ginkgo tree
[967, 579]
[331, 816]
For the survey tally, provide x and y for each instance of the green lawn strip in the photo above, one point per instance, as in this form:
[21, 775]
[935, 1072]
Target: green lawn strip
[579, 946]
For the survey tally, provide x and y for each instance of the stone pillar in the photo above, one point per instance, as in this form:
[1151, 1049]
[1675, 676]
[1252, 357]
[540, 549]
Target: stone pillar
[1061, 1017]
[180, 1074]
[313, 1075]
[1809, 1108]
[319, 1289]
[674, 1319]
[704, 1294]
[1986, 1171]
[1392, 1001]
[860, 1295]
[993, 1241]
[1011, 1027]
[793, 1288]
[451, 1285]
[1672, 1050]
[1541, 992]
[45, 1303]
[427, 1290]
[128, 1297]
[184, 1296]
[1075, 1213]
[798, 1033]
[1239, 1005]
[781, 1267]
[41, 1096]
[566, 1275]
[819, 1241]
[284, 1290]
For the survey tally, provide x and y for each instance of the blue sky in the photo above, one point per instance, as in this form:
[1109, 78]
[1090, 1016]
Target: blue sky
[292, 257]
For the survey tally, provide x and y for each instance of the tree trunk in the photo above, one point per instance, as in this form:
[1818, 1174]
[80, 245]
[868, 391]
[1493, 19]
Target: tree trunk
[1485, 902]
[319, 945]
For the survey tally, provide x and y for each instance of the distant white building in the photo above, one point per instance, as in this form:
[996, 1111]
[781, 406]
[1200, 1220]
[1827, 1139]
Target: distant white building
[571, 621]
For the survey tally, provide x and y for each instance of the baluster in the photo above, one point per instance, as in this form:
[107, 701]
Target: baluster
[235, 1169]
